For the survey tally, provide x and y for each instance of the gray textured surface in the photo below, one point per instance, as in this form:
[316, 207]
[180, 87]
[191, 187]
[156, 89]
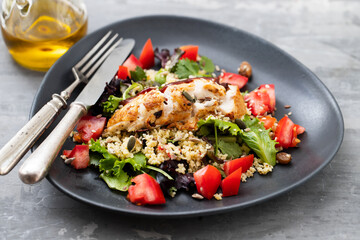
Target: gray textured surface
[324, 35]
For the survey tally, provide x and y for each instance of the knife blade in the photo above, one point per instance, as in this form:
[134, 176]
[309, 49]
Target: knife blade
[37, 165]
[91, 93]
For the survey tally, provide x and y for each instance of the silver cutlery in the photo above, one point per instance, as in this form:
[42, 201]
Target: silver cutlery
[16, 148]
[37, 165]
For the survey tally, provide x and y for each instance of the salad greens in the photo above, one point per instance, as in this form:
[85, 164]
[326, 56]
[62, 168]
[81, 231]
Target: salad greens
[134, 88]
[138, 74]
[114, 171]
[259, 141]
[186, 68]
[111, 105]
[257, 138]
[232, 149]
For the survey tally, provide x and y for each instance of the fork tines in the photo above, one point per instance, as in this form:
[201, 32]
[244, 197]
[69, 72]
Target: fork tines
[97, 55]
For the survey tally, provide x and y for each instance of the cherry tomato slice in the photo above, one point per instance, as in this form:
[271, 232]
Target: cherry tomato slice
[244, 162]
[91, 127]
[191, 52]
[145, 191]
[122, 72]
[207, 181]
[230, 185]
[233, 79]
[81, 155]
[147, 56]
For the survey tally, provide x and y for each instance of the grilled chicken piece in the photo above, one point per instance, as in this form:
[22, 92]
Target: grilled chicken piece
[180, 105]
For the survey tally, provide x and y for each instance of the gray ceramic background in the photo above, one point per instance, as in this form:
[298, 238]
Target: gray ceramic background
[323, 35]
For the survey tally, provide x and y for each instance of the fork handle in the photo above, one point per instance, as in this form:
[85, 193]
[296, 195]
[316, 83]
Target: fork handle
[16, 148]
[38, 164]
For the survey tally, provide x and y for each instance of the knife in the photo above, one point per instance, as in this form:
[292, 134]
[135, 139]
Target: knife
[37, 165]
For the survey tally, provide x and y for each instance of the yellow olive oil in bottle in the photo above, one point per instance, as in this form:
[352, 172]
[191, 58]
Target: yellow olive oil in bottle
[38, 32]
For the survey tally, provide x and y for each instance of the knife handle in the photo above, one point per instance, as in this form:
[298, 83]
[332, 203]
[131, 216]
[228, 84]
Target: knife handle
[38, 164]
[16, 148]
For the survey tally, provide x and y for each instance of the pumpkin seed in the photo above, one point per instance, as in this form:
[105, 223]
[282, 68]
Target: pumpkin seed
[240, 123]
[188, 96]
[131, 143]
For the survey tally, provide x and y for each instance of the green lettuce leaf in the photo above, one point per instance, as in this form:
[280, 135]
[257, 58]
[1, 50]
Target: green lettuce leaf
[108, 160]
[259, 141]
[112, 168]
[119, 182]
[232, 128]
[110, 106]
[232, 149]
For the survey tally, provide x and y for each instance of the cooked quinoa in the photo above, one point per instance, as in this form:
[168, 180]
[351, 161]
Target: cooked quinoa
[161, 145]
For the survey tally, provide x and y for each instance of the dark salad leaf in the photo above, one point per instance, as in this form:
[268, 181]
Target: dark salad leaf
[111, 88]
[180, 181]
[163, 56]
[175, 58]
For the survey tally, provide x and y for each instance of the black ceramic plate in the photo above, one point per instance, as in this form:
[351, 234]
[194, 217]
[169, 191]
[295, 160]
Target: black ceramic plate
[312, 106]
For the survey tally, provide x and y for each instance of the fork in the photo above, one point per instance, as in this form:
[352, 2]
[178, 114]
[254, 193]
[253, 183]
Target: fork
[16, 148]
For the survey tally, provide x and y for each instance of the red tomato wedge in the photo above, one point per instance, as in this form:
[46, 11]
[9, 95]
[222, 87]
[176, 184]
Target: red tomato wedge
[67, 153]
[131, 63]
[258, 102]
[286, 133]
[91, 127]
[123, 72]
[230, 185]
[81, 155]
[207, 181]
[191, 52]
[270, 90]
[145, 191]
[299, 129]
[147, 56]
[268, 121]
[244, 162]
[233, 79]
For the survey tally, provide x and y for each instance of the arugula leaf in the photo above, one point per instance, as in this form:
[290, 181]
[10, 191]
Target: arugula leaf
[232, 149]
[110, 106]
[259, 141]
[138, 74]
[186, 67]
[206, 64]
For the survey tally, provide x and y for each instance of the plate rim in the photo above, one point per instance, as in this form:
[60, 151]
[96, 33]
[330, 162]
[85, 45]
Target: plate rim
[202, 212]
